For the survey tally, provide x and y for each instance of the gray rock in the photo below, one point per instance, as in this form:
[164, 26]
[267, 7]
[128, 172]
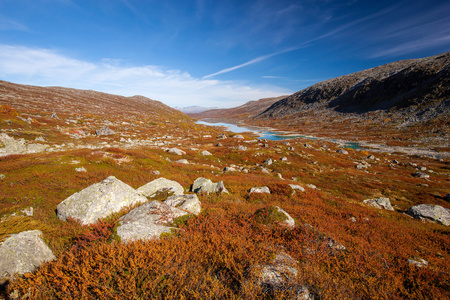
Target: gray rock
[182, 161]
[2, 176]
[421, 175]
[206, 153]
[29, 211]
[222, 136]
[432, 212]
[342, 151]
[297, 187]
[104, 131]
[22, 253]
[289, 222]
[311, 186]
[264, 170]
[263, 189]
[229, 169]
[9, 146]
[334, 246]
[280, 275]
[189, 203]
[418, 262]
[203, 185]
[380, 203]
[176, 151]
[268, 162]
[242, 148]
[284, 158]
[361, 166]
[54, 115]
[238, 136]
[82, 169]
[160, 185]
[219, 145]
[98, 201]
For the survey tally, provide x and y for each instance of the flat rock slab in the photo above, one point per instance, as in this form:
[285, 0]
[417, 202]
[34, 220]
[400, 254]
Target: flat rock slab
[161, 185]
[261, 190]
[148, 221]
[380, 203]
[22, 253]
[189, 203]
[432, 212]
[99, 201]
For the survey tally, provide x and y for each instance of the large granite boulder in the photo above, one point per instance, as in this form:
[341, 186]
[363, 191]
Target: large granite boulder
[203, 185]
[380, 203]
[161, 185]
[148, 221]
[98, 201]
[432, 212]
[22, 253]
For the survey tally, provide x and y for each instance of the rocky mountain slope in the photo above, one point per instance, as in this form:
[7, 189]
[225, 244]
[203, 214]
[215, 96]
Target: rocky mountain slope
[416, 89]
[61, 100]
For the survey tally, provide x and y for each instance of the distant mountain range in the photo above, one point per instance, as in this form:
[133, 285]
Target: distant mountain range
[193, 109]
[246, 111]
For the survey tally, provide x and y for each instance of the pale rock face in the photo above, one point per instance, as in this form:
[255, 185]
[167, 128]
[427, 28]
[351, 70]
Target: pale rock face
[148, 221]
[206, 153]
[104, 131]
[152, 188]
[203, 185]
[22, 253]
[290, 222]
[189, 203]
[280, 274]
[263, 189]
[176, 151]
[98, 201]
[432, 212]
[297, 187]
[380, 203]
[342, 151]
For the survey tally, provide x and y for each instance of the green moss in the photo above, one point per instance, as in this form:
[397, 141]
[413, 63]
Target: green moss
[180, 221]
[269, 215]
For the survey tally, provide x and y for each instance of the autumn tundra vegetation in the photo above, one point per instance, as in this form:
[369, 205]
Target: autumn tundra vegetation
[238, 246]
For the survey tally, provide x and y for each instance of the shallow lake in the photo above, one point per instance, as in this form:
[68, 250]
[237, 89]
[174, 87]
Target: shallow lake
[271, 135]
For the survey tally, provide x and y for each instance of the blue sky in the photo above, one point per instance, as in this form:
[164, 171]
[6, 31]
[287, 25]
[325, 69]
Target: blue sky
[213, 53]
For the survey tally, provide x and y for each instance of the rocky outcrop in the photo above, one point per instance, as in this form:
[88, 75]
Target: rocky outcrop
[280, 275]
[161, 186]
[10, 145]
[98, 201]
[416, 87]
[431, 212]
[260, 190]
[380, 203]
[176, 151]
[148, 221]
[154, 218]
[22, 253]
[104, 131]
[203, 185]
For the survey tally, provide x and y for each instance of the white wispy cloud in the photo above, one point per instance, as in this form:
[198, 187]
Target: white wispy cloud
[7, 24]
[174, 87]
